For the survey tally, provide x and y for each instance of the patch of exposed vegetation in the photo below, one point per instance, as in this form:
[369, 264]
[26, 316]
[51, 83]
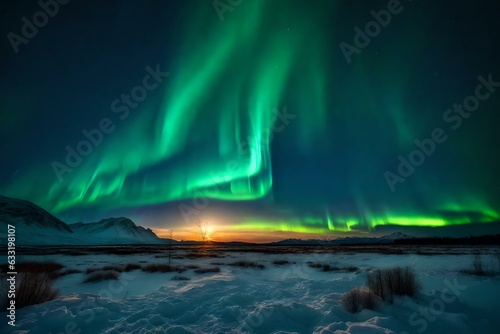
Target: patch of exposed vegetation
[326, 267]
[358, 299]
[390, 282]
[247, 264]
[35, 282]
[101, 275]
[132, 266]
[479, 269]
[190, 266]
[207, 270]
[161, 268]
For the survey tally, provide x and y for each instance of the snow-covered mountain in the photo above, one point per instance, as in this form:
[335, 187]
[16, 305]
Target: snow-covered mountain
[117, 230]
[33, 225]
[36, 226]
[396, 236]
[25, 214]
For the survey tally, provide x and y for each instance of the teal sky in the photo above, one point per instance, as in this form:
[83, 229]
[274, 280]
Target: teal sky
[148, 109]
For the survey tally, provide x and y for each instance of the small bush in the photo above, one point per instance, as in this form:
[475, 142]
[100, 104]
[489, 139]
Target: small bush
[478, 265]
[112, 267]
[207, 270]
[35, 267]
[281, 262]
[478, 268]
[34, 283]
[327, 267]
[132, 266]
[162, 268]
[93, 269]
[247, 264]
[350, 269]
[190, 266]
[358, 299]
[32, 289]
[102, 275]
[398, 281]
[180, 278]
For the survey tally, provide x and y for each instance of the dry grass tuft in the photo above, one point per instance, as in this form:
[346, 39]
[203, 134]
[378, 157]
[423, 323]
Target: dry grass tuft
[358, 299]
[101, 275]
[247, 264]
[207, 270]
[161, 268]
[390, 282]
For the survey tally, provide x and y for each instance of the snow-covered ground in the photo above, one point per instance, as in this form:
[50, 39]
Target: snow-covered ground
[292, 298]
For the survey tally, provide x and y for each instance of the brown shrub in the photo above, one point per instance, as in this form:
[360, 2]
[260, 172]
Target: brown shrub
[162, 268]
[207, 270]
[390, 282]
[31, 289]
[247, 264]
[132, 266]
[358, 299]
[101, 275]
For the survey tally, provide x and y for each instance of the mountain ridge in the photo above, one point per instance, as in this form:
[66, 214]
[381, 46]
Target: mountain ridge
[121, 227]
[36, 226]
[345, 240]
[14, 211]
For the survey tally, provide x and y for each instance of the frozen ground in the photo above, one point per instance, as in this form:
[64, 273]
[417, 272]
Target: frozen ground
[291, 298]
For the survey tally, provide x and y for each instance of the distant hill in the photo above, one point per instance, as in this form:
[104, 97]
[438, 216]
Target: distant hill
[453, 231]
[28, 215]
[390, 238]
[472, 240]
[117, 230]
[36, 226]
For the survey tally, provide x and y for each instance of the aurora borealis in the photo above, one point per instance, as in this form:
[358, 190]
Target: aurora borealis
[261, 125]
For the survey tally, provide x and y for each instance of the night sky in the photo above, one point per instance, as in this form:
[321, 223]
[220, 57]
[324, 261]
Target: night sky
[261, 117]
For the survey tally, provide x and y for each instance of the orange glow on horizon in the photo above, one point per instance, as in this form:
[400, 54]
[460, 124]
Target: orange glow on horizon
[220, 234]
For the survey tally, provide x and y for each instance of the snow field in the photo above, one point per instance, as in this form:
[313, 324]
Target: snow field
[292, 298]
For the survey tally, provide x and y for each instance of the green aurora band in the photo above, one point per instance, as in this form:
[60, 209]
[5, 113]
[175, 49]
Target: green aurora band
[221, 116]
